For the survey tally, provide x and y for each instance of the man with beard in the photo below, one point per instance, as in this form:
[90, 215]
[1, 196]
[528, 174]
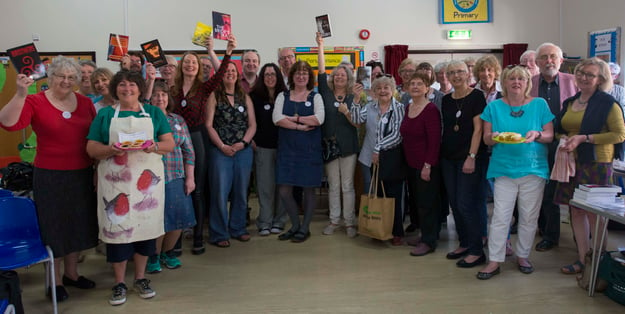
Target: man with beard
[554, 87]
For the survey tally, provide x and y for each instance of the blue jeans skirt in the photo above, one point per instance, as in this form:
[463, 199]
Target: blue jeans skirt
[179, 212]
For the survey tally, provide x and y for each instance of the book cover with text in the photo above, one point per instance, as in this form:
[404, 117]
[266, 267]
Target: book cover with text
[154, 53]
[222, 25]
[26, 61]
[118, 47]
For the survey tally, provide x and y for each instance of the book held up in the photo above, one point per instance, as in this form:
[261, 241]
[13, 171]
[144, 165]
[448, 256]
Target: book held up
[26, 61]
[222, 25]
[118, 47]
[323, 25]
[154, 53]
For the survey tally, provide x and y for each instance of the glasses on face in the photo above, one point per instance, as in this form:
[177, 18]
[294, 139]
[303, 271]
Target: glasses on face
[552, 56]
[457, 72]
[301, 73]
[272, 74]
[282, 58]
[407, 71]
[70, 78]
[135, 61]
[587, 75]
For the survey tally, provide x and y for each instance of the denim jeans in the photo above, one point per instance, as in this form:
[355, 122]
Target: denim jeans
[228, 176]
[467, 199]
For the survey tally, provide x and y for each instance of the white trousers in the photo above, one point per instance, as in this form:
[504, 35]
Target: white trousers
[527, 192]
[340, 173]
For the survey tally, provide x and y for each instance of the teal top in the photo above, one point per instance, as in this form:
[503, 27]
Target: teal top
[99, 130]
[518, 160]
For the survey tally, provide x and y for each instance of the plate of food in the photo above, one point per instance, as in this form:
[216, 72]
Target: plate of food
[133, 145]
[509, 138]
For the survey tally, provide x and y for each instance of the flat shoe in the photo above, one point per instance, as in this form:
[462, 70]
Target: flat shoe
[80, 283]
[287, 235]
[485, 276]
[222, 244]
[61, 294]
[545, 245]
[464, 264]
[299, 237]
[575, 268]
[526, 269]
[421, 249]
[454, 255]
[244, 237]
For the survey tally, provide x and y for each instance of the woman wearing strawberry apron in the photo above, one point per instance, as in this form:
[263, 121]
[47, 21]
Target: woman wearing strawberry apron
[130, 182]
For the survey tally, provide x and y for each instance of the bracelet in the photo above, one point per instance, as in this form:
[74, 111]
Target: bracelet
[540, 134]
[245, 144]
[155, 147]
[587, 138]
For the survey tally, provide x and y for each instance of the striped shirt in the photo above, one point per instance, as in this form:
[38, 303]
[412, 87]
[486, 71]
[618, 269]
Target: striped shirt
[387, 125]
[183, 153]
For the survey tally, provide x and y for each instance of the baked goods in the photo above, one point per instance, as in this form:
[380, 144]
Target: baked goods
[509, 137]
[133, 145]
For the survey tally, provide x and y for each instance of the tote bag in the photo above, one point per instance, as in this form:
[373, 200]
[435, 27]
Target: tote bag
[376, 213]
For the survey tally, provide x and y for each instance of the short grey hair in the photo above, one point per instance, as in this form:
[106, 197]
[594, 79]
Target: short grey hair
[62, 63]
[384, 80]
[440, 66]
[545, 45]
[456, 63]
[527, 53]
[87, 62]
[615, 69]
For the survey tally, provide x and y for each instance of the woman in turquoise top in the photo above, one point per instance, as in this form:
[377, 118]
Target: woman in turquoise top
[520, 169]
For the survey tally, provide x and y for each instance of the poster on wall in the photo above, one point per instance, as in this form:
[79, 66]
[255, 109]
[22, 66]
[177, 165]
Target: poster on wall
[605, 44]
[465, 11]
[334, 55]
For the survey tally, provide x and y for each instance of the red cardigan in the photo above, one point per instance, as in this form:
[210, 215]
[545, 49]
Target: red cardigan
[421, 137]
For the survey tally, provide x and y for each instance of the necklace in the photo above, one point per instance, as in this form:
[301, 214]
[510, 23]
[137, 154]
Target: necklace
[579, 100]
[339, 97]
[516, 114]
[458, 114]
[230, 94]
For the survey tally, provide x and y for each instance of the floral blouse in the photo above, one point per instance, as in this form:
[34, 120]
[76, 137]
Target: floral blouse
[230, 122]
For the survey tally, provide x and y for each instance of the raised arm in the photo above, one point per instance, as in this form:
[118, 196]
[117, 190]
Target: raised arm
[10, 114]
[321, 61]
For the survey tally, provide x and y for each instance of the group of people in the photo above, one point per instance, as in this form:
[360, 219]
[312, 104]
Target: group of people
[169, 153]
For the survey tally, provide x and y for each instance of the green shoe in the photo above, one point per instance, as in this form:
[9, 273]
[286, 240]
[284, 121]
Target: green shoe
[170, 260]
[154, 265]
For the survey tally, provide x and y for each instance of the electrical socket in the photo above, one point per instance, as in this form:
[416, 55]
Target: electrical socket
[36, 37]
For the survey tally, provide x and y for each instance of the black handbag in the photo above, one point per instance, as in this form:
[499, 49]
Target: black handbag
[331, 149]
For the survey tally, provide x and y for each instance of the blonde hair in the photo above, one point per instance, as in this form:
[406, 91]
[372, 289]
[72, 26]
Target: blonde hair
[605, 77]
[487, 61]
[521, 71]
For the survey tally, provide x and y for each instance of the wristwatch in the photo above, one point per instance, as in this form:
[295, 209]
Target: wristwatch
[472, 155]
[587, 138]
[245, 144]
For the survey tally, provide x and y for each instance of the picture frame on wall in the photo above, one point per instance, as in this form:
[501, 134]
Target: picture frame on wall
[465, 11]
[605, 44]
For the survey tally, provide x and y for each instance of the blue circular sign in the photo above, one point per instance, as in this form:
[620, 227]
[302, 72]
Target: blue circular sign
[466, 6]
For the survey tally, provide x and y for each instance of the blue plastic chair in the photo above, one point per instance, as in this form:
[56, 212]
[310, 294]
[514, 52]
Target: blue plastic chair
[20, 240]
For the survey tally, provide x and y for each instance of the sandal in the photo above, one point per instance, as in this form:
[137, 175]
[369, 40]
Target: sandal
[222, 244]
[300, 236]
[574, 268]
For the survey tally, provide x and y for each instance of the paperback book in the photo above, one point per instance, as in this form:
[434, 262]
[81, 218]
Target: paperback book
[222, 25]
[600, 188]
[118, 47]
[154, 53]
[323, 25]
[202, 31]
[26, 61]
[363, 76]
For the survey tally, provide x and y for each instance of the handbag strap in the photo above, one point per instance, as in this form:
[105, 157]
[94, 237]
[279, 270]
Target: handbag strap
[375, 178]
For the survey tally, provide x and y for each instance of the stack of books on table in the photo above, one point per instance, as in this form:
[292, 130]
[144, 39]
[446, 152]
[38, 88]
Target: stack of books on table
[591, 193]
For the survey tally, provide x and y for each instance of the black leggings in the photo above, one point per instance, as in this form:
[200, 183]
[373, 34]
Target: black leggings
[199, 139]
[309, 202]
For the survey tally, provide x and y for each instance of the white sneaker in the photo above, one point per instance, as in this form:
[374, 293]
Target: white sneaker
[352, 232]
[118, 296]
[264, 232]
[329, 229]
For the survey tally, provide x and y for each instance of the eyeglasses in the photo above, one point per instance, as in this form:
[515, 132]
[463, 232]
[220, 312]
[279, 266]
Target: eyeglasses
[452, 73]
[301, 73]
[587, 75]
[282, 58]
[547, 57]
[407, 71]
[383, 75]
[270, 74]
[71, 78]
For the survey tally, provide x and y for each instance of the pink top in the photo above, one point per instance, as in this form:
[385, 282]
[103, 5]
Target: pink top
[421, 137]
[61, 142]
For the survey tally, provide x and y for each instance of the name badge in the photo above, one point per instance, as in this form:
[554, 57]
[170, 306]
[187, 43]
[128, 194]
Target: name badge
[384, 120]
[67, 114]
[183, 103]
[178, 127]
[267, 107]
[308, 104]
[336, 104]
[241, 109]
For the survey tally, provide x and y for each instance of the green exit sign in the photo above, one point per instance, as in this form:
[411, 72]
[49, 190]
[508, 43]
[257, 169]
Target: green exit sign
[457, 34]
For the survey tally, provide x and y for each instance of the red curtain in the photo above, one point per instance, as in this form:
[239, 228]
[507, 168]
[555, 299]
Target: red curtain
[393, 56]
[512, 53]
